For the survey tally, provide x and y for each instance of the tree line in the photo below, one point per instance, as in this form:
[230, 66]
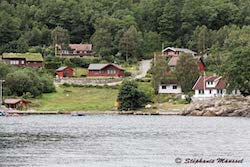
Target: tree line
[118, 29]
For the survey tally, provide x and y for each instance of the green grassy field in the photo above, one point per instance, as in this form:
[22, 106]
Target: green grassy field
[133, 68]
[77, 99]
[80, 71]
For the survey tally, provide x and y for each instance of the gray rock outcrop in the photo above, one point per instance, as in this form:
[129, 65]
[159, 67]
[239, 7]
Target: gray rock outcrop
[221, 106]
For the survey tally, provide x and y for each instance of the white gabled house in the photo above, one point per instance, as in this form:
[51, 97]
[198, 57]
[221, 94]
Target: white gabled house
[210, 86]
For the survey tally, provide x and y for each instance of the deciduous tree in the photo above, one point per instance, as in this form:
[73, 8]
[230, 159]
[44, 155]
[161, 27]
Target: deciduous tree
[187, 72]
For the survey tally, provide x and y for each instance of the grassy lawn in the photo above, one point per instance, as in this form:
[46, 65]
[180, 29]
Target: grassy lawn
[80, 71]
[133, 68]
[77, 99]
[172, 106]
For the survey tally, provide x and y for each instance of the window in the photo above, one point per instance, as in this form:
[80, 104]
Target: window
[22, 62]
[219, 91]
[174, 86]
[111, 71]
[201, 91]
[164, 87]
[14, 62]
[210, 82]
[100, 72]
[210, 91]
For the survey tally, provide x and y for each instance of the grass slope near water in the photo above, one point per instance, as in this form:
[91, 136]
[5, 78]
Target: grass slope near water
[77, 99]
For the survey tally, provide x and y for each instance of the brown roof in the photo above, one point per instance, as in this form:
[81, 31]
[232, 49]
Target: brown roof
[219, 82]
[82, 47]
[173, 61]
[14, 101]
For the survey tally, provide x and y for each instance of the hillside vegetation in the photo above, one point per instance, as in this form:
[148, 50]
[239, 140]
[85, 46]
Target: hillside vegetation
[118, 29]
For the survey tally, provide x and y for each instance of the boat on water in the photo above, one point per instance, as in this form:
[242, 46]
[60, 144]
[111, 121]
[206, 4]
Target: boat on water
[77, 114]
[2, 113]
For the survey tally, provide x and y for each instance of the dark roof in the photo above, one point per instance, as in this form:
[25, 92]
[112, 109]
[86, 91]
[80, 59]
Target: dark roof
[219, 82]
[26, 56]
[184, 50]
[169, 78]
[101, 66]
[82, 47]
[63, 68]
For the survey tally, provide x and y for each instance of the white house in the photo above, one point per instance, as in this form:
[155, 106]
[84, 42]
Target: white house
[171, 51]
[210, 86]
[170, 88]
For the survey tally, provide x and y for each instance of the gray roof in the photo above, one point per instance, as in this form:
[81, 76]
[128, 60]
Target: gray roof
[62, 68]
[180, 50]
[101, 66]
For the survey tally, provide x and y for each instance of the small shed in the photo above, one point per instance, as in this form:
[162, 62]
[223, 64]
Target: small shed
[65, 72]
[16, 103]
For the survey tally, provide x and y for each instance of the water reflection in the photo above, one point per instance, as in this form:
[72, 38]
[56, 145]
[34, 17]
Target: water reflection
[102, 140]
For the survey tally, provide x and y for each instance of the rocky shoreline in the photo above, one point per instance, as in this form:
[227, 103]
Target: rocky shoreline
[237, 106]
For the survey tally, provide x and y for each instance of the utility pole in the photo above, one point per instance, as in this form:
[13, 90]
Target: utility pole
[55, 44]
[204, 82]
[1, 92]
[162, 47]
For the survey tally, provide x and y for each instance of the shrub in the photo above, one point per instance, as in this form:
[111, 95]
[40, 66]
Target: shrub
[130, 98]
[127, 74]
[52, 65]
[28, 81]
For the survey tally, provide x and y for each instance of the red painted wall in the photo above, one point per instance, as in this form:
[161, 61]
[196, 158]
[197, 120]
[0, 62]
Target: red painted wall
[104, 72]
[23, 63]
[201, 66]
[34, 64]
[67, 72]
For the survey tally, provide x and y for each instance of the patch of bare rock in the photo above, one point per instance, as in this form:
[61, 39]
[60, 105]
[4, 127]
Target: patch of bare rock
[232, 106]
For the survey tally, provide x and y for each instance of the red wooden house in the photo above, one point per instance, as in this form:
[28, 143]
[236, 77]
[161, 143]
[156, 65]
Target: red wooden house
[23, 59]
[65, 72]
[105, 70]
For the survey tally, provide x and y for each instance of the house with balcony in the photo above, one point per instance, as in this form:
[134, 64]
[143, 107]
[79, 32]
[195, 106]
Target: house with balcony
[75, 50]
[171, 51]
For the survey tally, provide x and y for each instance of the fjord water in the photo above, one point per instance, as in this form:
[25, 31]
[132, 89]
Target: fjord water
[113, 140]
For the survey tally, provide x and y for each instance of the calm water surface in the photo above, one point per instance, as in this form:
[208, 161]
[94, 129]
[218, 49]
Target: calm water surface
[126, 141]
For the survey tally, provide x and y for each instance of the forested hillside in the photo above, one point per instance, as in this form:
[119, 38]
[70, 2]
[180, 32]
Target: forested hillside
[120, 28]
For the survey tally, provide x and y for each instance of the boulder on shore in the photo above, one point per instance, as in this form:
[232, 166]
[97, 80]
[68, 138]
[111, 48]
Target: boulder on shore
[219, 106]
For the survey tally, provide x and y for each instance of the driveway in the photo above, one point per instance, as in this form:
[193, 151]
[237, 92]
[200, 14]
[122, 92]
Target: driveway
[143, 67]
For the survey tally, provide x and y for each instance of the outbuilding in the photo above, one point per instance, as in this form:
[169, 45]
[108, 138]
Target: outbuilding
[65, 72]
[16, 103]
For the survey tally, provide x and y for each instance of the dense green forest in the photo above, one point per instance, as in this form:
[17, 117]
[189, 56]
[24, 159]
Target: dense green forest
[134, 29]
[117, 28]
